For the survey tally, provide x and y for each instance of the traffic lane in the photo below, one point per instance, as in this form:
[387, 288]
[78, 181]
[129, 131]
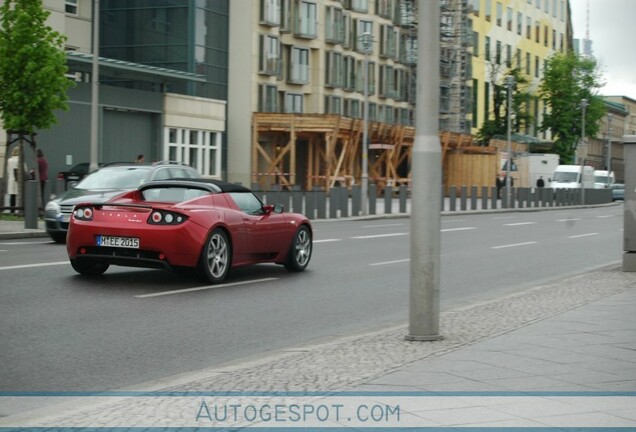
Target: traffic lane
[30, 251]
[97, 335]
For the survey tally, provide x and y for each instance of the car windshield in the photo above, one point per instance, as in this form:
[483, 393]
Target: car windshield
[601, 179]
[565, 177]
[172, 194]
[119, 178]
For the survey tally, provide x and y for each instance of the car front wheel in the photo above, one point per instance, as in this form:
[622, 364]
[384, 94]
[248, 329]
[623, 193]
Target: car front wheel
[300, 251]
[216, 256]
[89, 267]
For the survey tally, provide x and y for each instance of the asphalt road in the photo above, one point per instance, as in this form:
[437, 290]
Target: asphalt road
[63, 332]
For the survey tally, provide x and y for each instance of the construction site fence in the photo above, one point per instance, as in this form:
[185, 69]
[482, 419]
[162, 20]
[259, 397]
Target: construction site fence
[343, 202]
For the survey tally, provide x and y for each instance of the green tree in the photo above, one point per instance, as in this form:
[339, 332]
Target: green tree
[568, 80]
[32, 67]
[498, 124]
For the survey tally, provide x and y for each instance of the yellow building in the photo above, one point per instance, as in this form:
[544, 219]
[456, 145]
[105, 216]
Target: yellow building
[510, 34]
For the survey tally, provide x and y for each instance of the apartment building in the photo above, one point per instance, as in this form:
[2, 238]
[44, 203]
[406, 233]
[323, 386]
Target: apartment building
[519, 34]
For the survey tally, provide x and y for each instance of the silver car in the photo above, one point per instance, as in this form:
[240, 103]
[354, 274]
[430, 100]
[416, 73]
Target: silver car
[104, 184]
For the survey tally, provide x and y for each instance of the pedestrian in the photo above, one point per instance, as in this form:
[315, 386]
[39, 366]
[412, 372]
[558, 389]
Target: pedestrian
[12, 179]
[43, 171]
[540, 182]
[140, 159]
[500, 185]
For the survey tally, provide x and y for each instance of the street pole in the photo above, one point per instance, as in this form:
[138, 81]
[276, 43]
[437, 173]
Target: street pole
[510, 82]
[426, 186]
[608, 163]
[95, 90]
[364, 180]
[581, 158]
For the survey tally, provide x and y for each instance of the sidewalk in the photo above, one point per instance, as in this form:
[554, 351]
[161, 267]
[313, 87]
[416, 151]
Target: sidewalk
[16, 230]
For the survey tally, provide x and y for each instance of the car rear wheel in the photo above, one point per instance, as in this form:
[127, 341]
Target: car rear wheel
[89, 267]
[300, 251]
[216, 256]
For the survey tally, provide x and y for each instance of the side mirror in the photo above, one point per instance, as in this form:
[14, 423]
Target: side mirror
[276, 208]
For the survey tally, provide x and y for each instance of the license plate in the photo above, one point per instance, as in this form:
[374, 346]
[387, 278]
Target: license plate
[122, 242]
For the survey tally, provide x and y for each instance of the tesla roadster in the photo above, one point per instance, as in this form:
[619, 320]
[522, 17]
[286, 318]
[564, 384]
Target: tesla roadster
[187, 224]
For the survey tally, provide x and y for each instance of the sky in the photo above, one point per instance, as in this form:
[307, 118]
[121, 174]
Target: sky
[612, 27]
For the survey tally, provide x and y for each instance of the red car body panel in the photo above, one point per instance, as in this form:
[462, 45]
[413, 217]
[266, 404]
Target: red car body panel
[254, 238]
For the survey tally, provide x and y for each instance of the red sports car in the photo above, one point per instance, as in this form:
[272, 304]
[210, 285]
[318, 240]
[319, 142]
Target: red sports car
[194, 223]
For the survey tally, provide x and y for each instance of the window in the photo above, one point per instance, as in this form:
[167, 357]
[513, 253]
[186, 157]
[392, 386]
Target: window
[364, 36]
[306, 20]
[528, 64]
[554, 39]
[528, 27]
[537, 33]
[334, 69]
[388, 41]
[270, 12]
[270, 55]
[333, 104]
[475, 111]
[499, 14]
[385, 8]
[476, 44]
[508, 55]
[546, 35]
[487, 48]
[201, 149]
[267, 98]
[247, 202]
[334, 25]
[488, 10]
[498, 53]
[285, 15]
[474, 6]
[509, 18]
[70, 7]
[519, 23]
[360, 5]
[299, 65]
[293, 103]
[349, 64]
[387, 81]
[536, 66]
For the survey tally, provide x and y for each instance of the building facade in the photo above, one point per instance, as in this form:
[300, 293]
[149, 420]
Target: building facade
[162, 83]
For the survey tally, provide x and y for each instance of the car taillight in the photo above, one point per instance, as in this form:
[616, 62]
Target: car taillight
[162, 217]
[83, 213]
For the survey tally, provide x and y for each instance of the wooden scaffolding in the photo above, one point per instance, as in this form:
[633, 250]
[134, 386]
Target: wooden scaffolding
[324, 150]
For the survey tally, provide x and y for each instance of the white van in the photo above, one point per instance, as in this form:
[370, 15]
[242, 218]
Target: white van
[604, 179]
[573, 177]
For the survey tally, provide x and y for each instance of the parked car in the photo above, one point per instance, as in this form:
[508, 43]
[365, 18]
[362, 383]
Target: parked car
[75, 174]
[193, 224]
[618, 191]
[104, 184]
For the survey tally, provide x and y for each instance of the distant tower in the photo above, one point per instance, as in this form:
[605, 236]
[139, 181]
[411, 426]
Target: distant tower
[587, 42]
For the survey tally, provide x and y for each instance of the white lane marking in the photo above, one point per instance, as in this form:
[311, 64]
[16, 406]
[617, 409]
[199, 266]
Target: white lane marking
[605, 216]
[207, 287]
[327, 240]
[568, 220]
[520, 223]
[458, 229]
[3, 250]
[583, 235]
[382, 226]
[390, 262]
[512, 245]
[380, 235]
[25, 243]
[453, 221]
[34, 265]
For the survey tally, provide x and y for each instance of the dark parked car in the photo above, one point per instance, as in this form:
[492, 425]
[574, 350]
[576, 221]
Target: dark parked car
[103, 185]
[618, 191]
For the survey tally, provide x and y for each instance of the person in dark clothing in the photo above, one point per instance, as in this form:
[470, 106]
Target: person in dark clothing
[43, 171]
[540, 182]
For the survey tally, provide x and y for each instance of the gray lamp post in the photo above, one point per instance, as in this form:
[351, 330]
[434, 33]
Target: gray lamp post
[510, 82]
[364, 180]
[584, 105]
[608, 162]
